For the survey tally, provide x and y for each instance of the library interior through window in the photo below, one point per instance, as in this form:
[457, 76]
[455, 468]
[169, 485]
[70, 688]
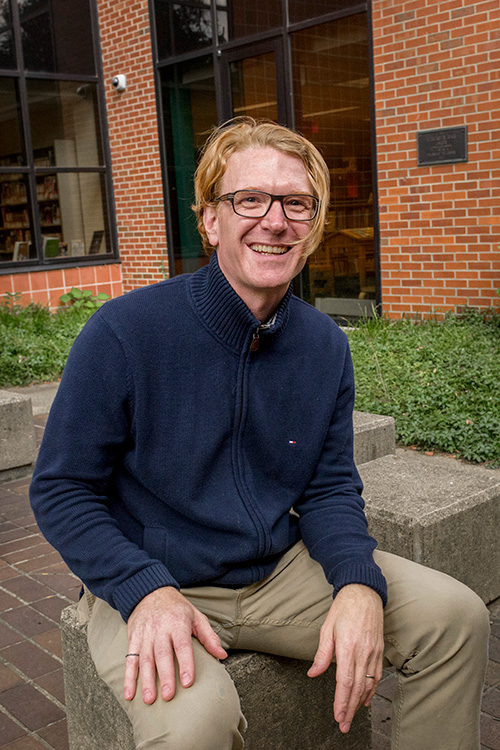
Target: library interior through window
[53, 182]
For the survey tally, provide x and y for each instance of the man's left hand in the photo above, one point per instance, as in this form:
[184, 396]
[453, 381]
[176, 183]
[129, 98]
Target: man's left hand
[354, 632]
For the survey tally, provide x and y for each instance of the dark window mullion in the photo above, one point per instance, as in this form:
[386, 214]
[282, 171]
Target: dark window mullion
[36, 233]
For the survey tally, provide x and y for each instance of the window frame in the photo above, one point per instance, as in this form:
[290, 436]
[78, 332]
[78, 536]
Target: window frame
[31, 171]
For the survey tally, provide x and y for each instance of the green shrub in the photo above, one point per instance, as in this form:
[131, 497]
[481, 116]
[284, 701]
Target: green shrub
[439, 379]
[34, 343]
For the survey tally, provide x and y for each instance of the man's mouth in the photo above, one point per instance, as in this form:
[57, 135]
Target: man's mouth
[270, 249]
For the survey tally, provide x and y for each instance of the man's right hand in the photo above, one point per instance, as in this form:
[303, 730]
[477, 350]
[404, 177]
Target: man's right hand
[160, 630]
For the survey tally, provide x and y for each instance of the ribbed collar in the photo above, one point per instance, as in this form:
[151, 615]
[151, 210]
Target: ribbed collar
[224, 312]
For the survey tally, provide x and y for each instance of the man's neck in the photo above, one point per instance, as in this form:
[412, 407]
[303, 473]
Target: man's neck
[264, 303]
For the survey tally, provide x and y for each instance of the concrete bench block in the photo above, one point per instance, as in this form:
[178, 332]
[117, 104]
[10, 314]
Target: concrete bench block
[374, 437]
[285, 709]
[17, 435]
[438, 512]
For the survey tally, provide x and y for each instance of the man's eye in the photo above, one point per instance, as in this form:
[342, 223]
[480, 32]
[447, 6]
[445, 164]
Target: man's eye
[298, 203]
[250, 200]
[295, 202]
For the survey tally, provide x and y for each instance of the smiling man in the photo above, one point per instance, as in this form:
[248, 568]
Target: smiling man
[197, 474]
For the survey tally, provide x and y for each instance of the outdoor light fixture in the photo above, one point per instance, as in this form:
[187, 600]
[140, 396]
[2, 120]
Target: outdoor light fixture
[119, 83]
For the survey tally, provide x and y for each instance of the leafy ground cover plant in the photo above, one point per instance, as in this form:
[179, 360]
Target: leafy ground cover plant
[34, 343]
[439, 379]
[83, 298]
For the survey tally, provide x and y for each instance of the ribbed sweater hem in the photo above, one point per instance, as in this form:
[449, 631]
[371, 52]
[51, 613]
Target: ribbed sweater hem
[362, 574]
[130, 592]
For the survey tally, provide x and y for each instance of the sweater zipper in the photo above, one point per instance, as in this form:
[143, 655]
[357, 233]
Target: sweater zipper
[262, 533]
[255, 340]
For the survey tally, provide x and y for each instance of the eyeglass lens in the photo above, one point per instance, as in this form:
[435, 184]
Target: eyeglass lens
[255, 204]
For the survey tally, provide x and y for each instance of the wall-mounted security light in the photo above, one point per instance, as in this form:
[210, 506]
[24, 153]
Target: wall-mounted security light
[119, 83]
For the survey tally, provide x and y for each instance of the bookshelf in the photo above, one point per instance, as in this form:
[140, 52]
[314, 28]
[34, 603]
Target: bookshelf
[14, 207]
[14, 214]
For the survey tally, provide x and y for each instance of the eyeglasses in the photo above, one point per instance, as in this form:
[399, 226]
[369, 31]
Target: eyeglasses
[255, 204]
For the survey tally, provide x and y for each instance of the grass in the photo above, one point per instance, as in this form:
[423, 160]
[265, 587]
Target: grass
[439, 379]
[34, 343]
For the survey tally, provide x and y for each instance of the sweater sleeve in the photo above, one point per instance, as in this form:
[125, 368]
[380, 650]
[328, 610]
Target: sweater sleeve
[87, 432]
[332, 519]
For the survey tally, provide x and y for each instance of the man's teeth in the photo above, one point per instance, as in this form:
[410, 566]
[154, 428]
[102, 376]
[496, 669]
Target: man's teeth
[269, 249]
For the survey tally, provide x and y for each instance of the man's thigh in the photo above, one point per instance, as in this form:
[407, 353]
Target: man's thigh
[207, 714]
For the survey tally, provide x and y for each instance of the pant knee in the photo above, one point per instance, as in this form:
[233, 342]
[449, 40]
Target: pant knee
[213, 723]
[462, 609]
[457, 626]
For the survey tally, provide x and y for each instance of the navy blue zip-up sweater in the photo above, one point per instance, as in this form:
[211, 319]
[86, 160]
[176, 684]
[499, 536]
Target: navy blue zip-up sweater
[175, 449]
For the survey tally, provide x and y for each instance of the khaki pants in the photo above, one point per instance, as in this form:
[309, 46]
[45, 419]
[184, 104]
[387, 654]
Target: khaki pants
[436, 635]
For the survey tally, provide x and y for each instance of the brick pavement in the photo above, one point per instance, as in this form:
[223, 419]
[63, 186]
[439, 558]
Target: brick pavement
[35, 585]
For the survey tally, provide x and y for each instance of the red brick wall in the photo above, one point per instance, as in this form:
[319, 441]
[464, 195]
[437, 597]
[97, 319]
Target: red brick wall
[45, 287]
[133, 135]
[437, 65]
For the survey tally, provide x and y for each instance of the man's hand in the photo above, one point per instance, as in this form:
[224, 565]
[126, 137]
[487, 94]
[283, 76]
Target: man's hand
[160, 629]
[354, 631]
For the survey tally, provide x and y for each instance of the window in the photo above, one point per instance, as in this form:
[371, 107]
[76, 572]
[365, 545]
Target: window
[305, 64]
[53, 180]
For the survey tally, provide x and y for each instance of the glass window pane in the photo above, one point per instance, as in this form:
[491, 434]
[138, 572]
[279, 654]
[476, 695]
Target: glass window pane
[332, 108]
[302, 11]
[57, 36]
[64, 123]
[7, 55]
[11, 143]
[188, 98]
[73, 214]
[15, 224]
[253, 84]
[182, 27]
[239, 18]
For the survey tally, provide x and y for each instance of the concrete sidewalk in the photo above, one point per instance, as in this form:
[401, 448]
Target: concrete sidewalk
[35, 585]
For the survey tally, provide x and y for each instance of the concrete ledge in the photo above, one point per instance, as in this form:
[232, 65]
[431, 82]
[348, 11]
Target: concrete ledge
[438, 512]
[41, 394]
[374, 437]
[285, 709]
[17, 435]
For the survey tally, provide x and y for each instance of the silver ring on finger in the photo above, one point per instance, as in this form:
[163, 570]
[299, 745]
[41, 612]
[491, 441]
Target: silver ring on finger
[370, 676]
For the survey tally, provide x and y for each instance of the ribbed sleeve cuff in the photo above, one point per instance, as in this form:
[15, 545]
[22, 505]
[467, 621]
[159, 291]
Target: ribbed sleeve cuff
[128, 594]
[363, 574]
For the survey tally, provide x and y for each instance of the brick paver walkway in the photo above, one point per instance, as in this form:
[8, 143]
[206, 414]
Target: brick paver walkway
[35, 585]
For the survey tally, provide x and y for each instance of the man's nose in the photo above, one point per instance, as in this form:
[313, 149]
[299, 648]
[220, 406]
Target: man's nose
[275, 218]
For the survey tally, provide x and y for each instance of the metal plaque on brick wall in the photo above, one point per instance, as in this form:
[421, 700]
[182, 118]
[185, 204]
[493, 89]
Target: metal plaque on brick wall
[443, 146]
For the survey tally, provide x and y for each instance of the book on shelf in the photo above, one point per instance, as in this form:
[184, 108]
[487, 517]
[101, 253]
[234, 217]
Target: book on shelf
[15, 219]
[46, 189]
[50, 215]
[51, 247]
[13, 192]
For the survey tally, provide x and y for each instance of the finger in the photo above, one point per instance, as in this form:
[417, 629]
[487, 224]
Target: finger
[372, 684]
[183, 649]
[164, 658]
[131, 674]
[351, 691]
[208, 637]
[343, 692]
[323, 657]
[147, 670]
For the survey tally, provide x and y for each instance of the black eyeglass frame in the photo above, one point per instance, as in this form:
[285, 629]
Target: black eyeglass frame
[280, 198]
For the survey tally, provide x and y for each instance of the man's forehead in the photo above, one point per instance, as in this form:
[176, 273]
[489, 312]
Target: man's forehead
[253, 165]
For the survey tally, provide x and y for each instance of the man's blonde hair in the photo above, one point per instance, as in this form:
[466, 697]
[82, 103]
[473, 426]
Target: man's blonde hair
[245, 132]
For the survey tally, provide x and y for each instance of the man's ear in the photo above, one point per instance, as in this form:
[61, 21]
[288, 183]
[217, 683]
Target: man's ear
[210, 221]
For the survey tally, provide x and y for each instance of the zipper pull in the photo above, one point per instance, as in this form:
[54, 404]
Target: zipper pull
[255, 341]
